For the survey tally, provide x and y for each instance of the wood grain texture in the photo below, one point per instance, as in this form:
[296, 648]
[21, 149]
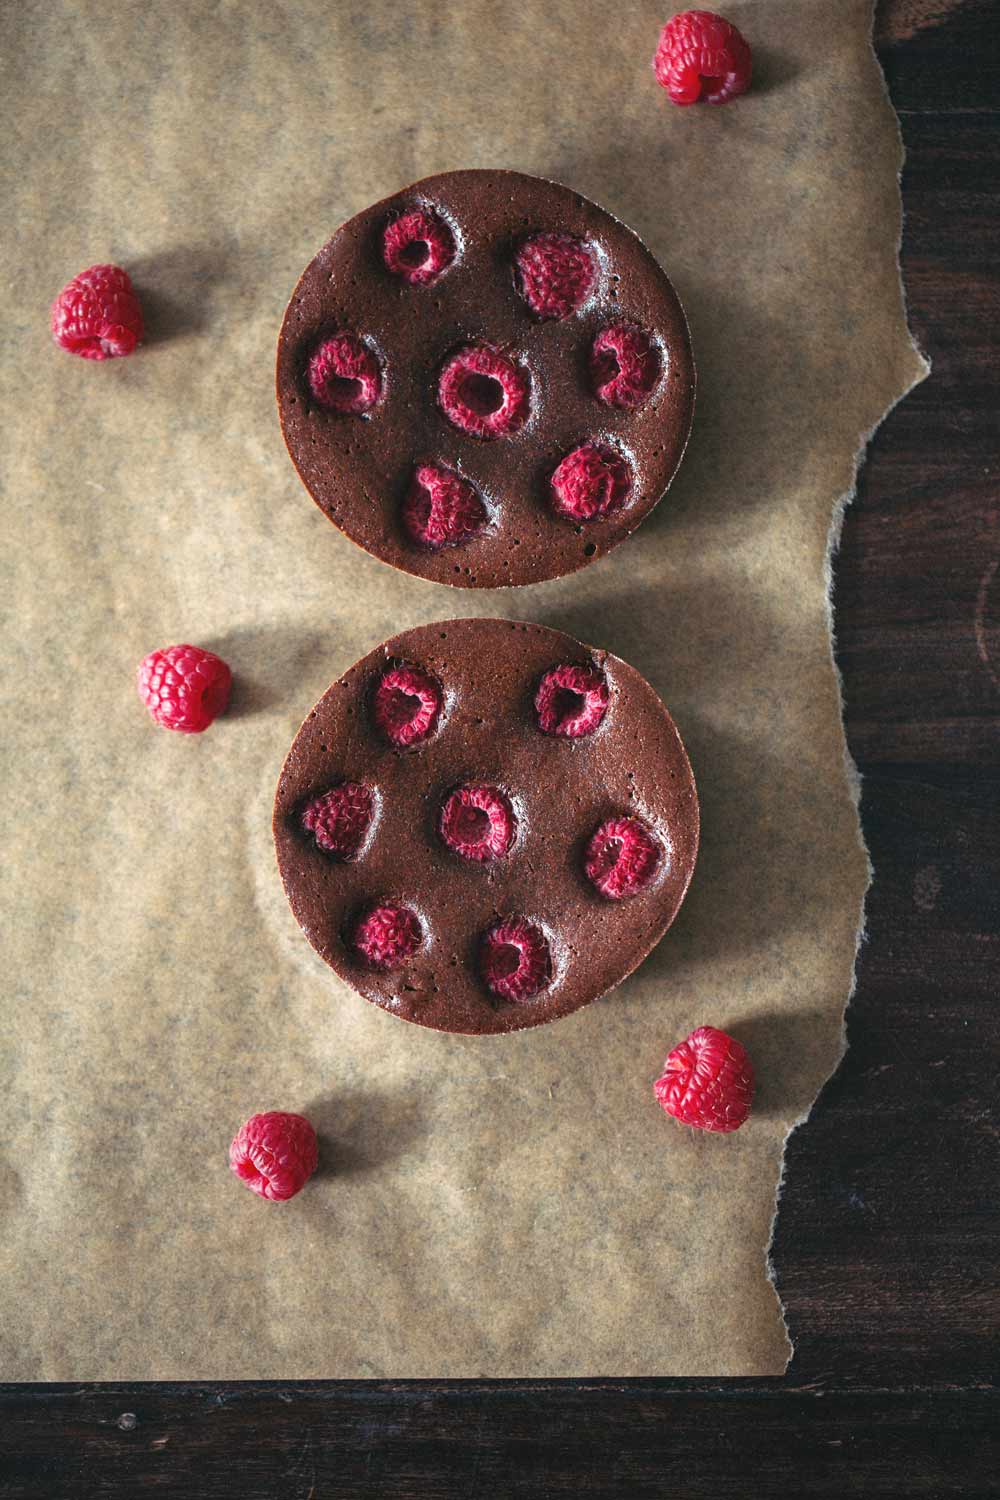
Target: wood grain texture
[468, 1441]
[885, 1245]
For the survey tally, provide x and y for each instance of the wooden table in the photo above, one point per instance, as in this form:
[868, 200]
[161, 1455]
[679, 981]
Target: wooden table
[886, 1239]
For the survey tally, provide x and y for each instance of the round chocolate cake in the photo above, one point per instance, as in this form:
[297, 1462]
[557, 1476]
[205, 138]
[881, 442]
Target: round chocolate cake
[485, 380]
[485, 825]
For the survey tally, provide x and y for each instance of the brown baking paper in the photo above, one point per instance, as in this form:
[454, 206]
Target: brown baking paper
[486, 1207]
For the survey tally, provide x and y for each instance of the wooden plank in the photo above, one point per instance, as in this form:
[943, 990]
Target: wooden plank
[648, 1442]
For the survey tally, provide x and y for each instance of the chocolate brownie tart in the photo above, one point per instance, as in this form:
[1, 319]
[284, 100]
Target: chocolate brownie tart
[485, 825]
[485, 380]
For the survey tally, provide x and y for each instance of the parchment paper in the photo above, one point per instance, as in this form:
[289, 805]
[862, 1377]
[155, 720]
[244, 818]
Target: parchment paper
[498, 1207]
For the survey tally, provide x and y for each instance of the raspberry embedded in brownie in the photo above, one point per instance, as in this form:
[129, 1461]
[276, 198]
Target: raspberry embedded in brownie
[484, 825]
[490, 327]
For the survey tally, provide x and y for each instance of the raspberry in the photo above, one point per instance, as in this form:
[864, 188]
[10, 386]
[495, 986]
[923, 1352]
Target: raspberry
[514, 959]
[184, 687]
[707, 1081]
[344, 375]
[624, 366]
[406, 705]
[340, 818]
[97, 314]
[275, 1154]
[591, 481]
[482, 392]
[571, 701]
[441, 509]
[418, 247]
[556, 274]
[702, 58]
[477, 822]
[621, 858]
[387, 935]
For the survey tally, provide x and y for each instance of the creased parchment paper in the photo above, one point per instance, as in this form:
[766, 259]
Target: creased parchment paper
[497, 1207]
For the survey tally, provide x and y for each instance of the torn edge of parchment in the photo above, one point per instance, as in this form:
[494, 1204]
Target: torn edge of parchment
[851, 772]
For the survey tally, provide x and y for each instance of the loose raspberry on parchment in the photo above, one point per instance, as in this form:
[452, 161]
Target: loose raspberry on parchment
[702, 59]
[344, 375]
[590, 482]
[406, 705]
[184, 687]
[483, 392]
[555, 273]
[387, 935]
[97, 315]
[275, 1154]
[514, 959]
[477, 822]
[571, 701]
[624, 366]
[339, 819]
[441, 509]
[707, 1081]
[418, 246]
[621, 858]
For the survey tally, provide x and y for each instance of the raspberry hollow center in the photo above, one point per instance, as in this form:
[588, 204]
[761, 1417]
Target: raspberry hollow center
[506, 960]
[343, 390]
[567, 705]
[414, 254]
[481, 394]
[471, 825]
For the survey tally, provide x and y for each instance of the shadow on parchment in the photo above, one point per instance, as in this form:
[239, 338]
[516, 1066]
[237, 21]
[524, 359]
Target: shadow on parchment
[763, 873]
[175, 286]
[362, 1129]
[771, 69]
[268, 663]
[788, 1071]
[11, 1185]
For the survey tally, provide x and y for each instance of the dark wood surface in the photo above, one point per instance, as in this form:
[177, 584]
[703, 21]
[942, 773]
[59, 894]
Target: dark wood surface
[885, 1246]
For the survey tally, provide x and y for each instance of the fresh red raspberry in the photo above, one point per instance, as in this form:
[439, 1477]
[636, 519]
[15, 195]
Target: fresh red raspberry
[707, 1081]
[514, 959]
[478, 822]
[406, 705]
[591, 481]
[97, 314]
[275, 1154]
[339, 819]
[624, 366]
[482, 392]
[387, 935]
[184, 687]
[344, 375]
[556, 274]
[702, 58]
[441, 509]
[621, 858]
[571, 701]
[418, 246]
